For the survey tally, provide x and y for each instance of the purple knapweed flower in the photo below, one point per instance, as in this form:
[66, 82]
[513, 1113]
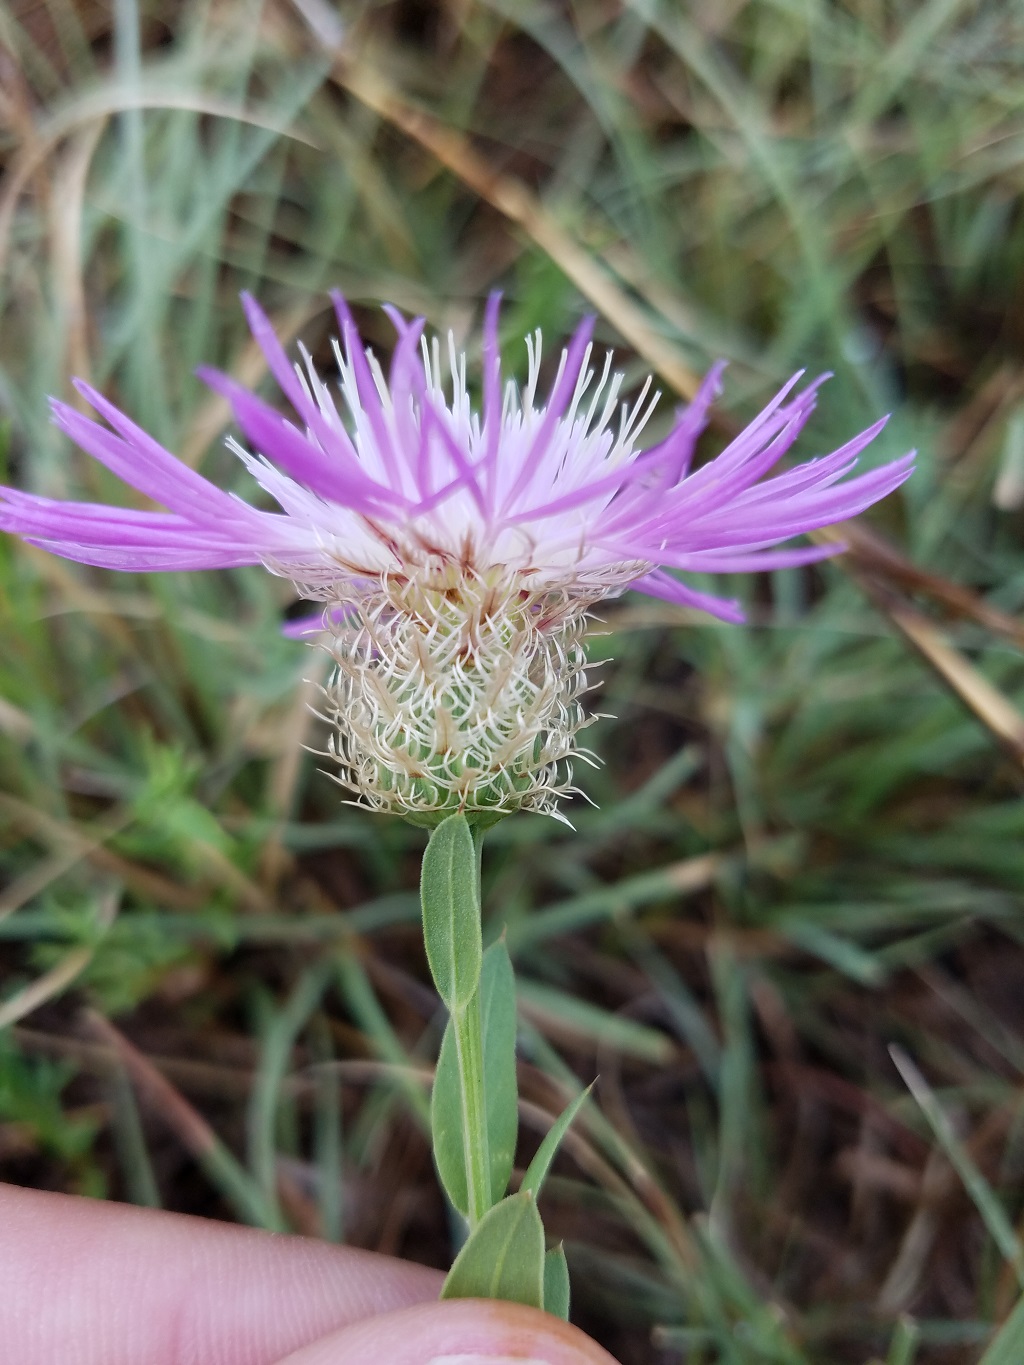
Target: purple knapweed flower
[458, 551]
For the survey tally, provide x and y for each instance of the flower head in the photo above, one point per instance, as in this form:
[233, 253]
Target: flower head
[458, 550]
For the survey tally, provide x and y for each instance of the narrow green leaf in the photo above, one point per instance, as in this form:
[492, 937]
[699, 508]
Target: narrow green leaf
[843, 954]
[446, 1123]
[498, 1021]
[1007, 1347]
[600, 1025]
[451, 911]
[906, 1338]
[993, 1215]
[538, 1167]
[503, 1258]
[556, 1283]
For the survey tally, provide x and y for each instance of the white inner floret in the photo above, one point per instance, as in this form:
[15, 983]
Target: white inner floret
[492, 512]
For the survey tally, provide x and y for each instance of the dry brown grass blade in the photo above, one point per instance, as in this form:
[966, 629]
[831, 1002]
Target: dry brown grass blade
[873, 553]
[218, 1079]
[184, 1121]
[66, 239]
[192, 1130]
[969, 436]
[65, 835]
[15, 723]
[45, 987]
[53, 982]
[284, 772]
[880, 569]
[911, 1263]
[200, 1077]
[214, 413]
[522, 207]
[24, 888]
[73, 593]
[991, 706]
[41, 142]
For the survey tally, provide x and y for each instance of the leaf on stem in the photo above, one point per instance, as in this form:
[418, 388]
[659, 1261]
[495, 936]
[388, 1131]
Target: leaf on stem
[538, 1167]
[503, 1258]
[446, 1123]
[498, 1023]
[451, 912]
[556, 1283]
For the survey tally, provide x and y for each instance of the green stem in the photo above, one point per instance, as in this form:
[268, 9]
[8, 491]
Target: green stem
[469, 1048]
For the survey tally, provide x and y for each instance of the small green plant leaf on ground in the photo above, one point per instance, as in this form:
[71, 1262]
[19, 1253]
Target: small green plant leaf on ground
[451, 912]
[556, 1283]
[503, 1258]
[537, 1170]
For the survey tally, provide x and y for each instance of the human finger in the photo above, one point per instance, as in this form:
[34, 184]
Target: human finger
[456, 1332]
[93, 1283]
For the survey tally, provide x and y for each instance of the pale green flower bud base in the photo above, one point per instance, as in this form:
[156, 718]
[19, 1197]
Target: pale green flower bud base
[453, 692]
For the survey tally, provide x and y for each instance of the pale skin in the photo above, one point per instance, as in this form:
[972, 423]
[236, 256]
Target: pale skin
[91, 1283]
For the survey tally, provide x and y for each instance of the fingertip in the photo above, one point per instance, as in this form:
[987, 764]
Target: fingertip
[457, 1332]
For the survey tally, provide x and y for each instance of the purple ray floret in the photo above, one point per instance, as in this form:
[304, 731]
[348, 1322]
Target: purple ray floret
[386, 475]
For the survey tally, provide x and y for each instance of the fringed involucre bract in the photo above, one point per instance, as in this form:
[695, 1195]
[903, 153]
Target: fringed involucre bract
[458, 698]
[457, 550]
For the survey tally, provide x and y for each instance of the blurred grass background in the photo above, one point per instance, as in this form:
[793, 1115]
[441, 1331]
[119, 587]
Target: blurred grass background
[789, 939]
